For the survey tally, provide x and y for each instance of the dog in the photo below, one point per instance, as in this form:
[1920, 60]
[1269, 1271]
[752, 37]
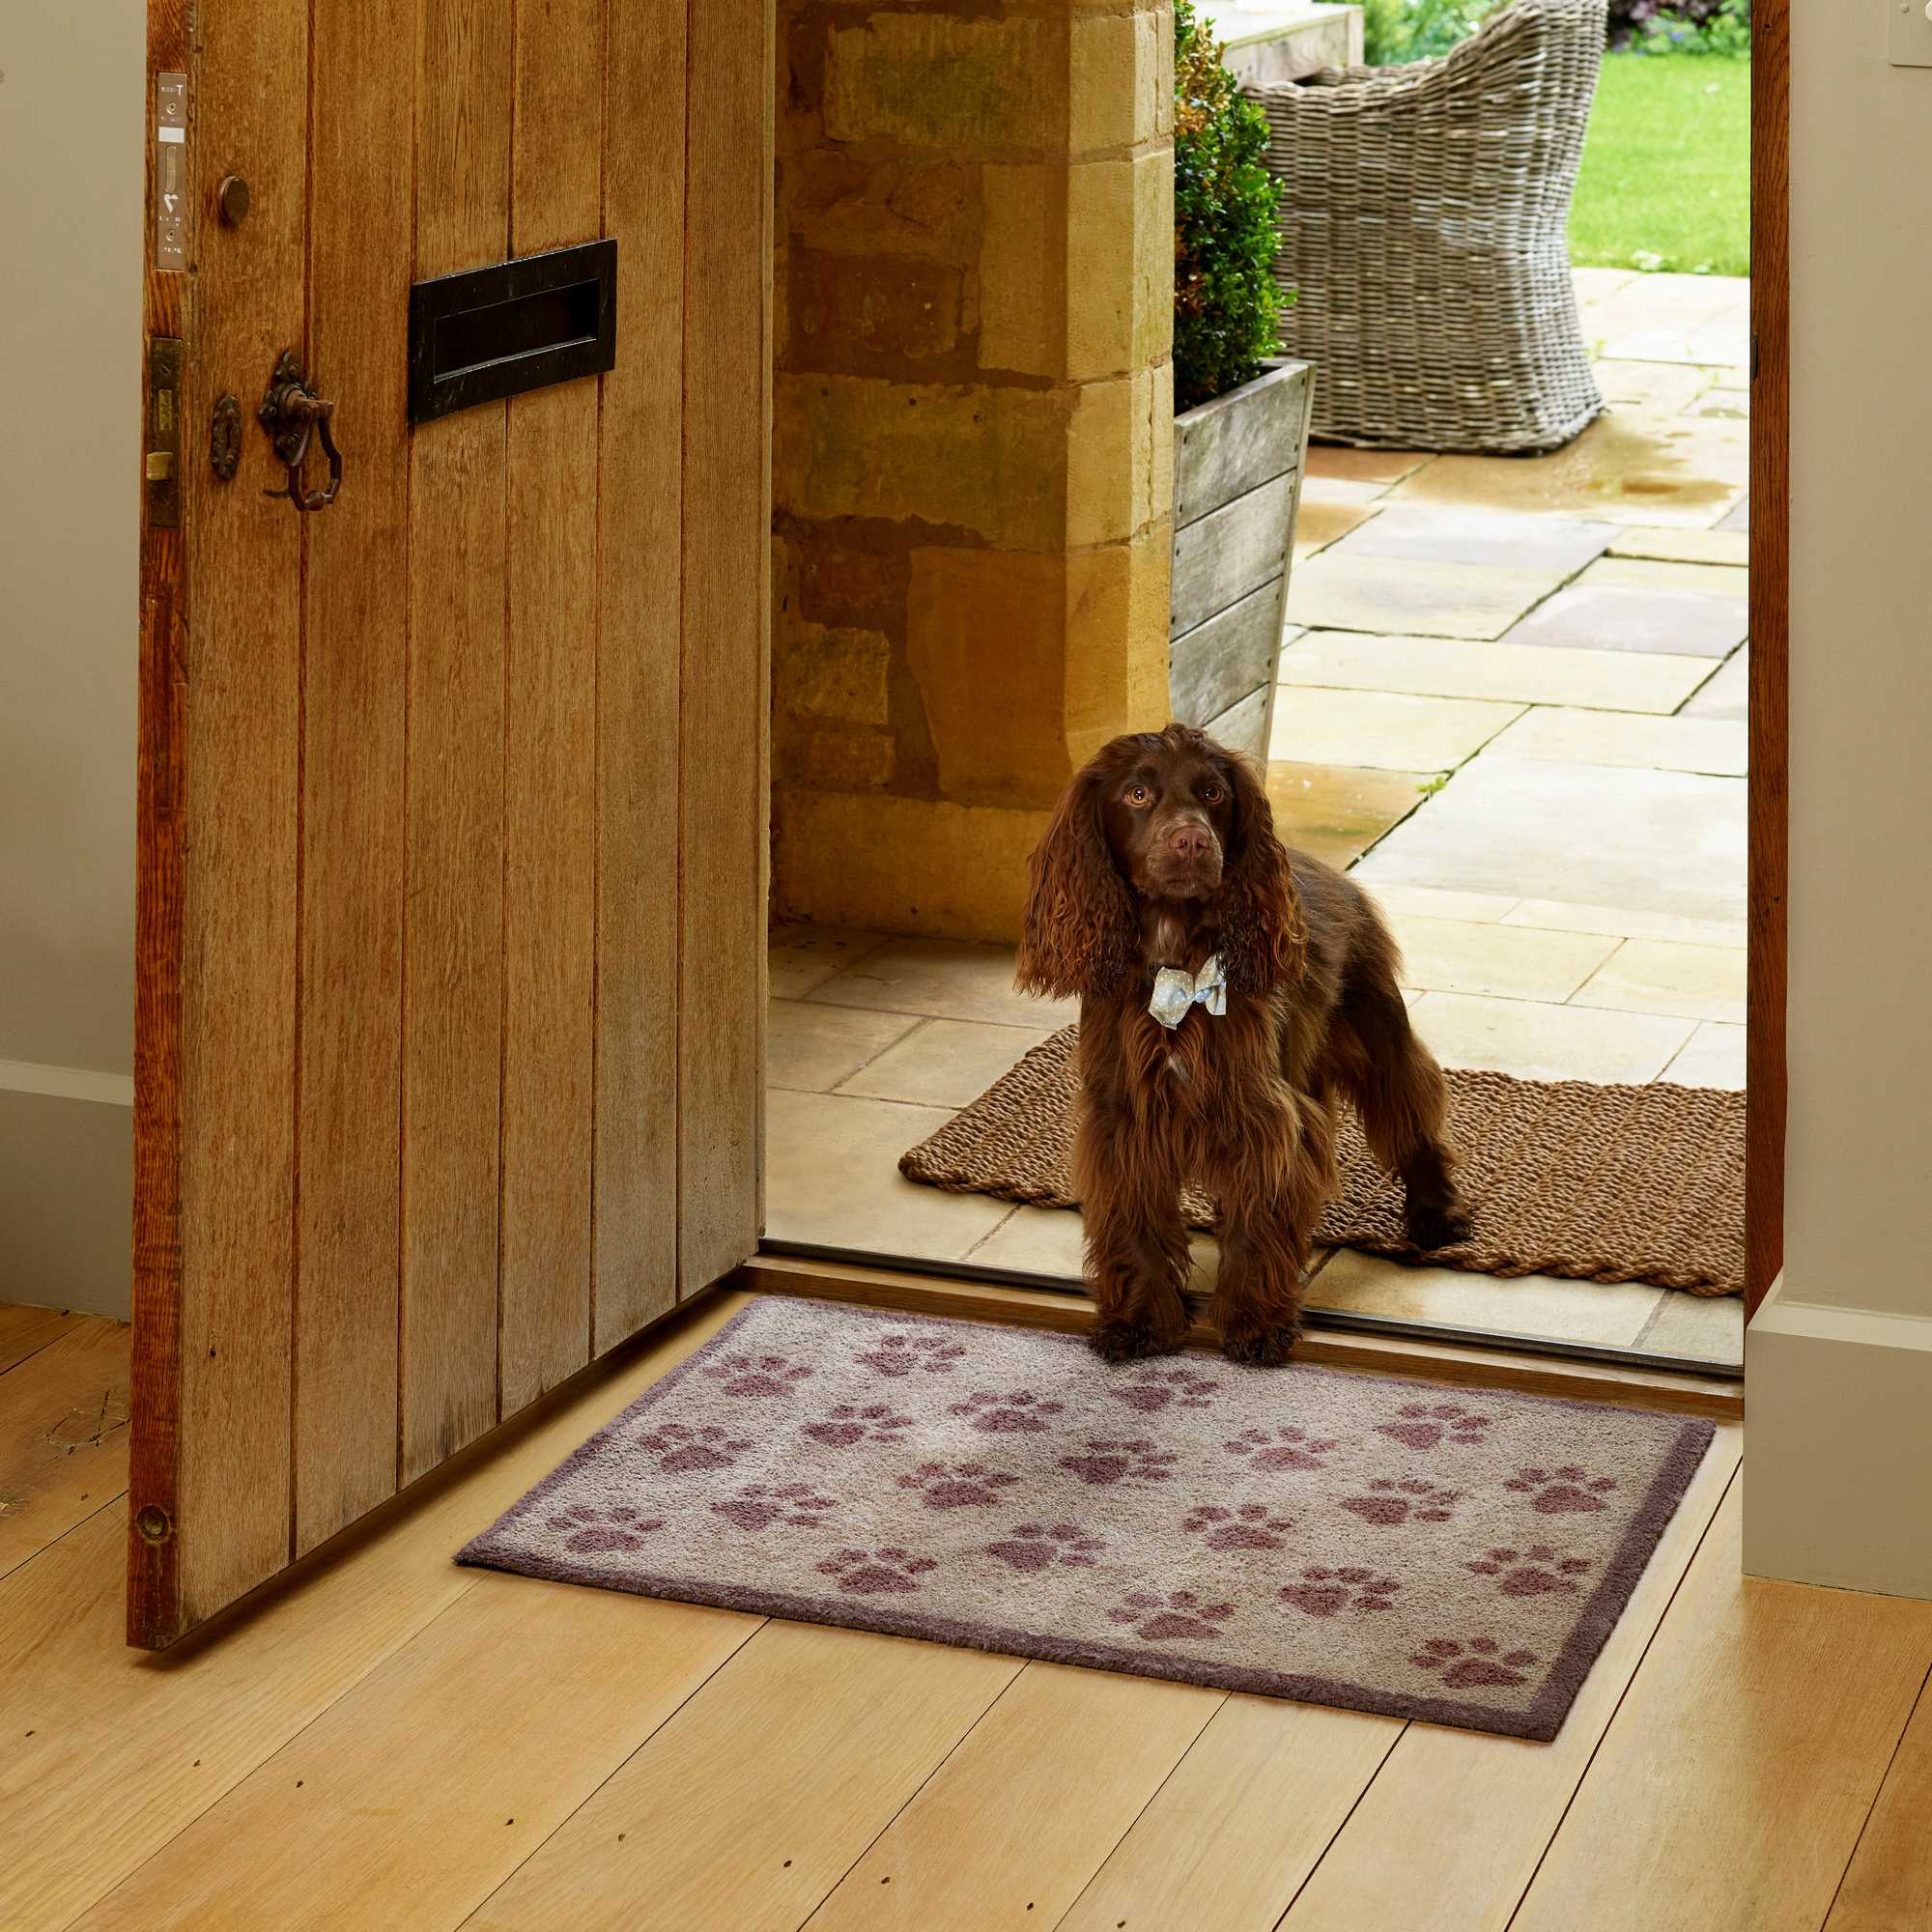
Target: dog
[1231, 992]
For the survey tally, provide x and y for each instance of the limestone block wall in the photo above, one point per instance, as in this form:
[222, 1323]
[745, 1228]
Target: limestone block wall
[973, 437]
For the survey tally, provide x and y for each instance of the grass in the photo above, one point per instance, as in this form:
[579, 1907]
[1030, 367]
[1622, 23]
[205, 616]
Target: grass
[1665, 182]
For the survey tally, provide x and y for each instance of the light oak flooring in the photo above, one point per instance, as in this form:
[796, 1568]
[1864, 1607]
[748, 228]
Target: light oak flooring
[386, 1741]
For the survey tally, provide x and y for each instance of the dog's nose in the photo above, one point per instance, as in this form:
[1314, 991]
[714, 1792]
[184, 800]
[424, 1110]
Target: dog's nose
[1188, 842]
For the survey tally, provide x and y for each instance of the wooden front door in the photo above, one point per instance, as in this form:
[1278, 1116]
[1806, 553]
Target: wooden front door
[452, 793]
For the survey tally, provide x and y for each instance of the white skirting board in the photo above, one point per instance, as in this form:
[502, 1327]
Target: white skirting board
[66, 1178]
[1838, 1446]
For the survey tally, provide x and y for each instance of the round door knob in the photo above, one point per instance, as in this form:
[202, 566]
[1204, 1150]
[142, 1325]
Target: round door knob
[232, 198]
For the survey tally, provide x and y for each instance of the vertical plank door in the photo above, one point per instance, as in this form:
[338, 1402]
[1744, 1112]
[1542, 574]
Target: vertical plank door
[452, 793]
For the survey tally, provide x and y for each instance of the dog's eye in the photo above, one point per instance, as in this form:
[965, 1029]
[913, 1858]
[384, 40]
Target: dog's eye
[1138, 795]
[1212, 794]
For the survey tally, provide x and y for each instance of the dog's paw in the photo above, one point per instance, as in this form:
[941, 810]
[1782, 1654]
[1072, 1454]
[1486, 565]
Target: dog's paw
[1438, 1226]
[1128, 1340]
[1261, 1344]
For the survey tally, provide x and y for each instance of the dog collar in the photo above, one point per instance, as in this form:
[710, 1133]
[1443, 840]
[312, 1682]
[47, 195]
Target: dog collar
[1175, 991]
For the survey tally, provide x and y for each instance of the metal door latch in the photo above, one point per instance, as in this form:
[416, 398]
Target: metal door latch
[293, 414]
[224, 438]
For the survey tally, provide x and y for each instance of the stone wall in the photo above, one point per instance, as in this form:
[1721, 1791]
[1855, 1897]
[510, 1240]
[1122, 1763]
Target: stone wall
[973, 437]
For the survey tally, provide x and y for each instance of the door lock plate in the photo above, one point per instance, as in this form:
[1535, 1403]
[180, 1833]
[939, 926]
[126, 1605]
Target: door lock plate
[162, 469]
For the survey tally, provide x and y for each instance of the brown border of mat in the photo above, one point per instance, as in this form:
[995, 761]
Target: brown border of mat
[1539, 1723]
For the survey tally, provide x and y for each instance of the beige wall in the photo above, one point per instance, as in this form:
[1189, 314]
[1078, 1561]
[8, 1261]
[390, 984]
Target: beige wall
[1859, 1151]
[71, 142]
[1838, 1361]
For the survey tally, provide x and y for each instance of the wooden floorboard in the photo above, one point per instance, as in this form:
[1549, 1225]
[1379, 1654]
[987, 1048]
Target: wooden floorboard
[1450, 1832]
[63, 1436]
[385, 1739]
[1889, 1883]
[1744, 1762]
[111, 1752]
[415, 1795]
[750, 1805]
[1243, 1820]
[1014, 1822]
[25, 1330]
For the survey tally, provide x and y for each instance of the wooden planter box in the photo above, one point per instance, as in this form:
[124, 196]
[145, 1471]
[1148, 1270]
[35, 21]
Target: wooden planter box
[1238, 464]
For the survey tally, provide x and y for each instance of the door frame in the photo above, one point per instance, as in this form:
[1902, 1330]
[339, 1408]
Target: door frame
[1768, 779]
[1769, 782]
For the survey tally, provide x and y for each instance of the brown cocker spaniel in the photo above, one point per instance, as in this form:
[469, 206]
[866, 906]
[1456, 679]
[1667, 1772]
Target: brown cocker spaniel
[1160, 885]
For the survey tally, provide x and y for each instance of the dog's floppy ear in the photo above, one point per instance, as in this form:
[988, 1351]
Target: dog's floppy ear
[1079, 936]
[1264, 942]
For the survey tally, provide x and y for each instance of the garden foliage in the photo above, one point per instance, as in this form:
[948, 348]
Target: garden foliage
[1394, 31]
[1226, 225]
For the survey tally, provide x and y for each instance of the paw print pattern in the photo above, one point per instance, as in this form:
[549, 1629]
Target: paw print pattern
[1150, 1390]
[1132, 1463]
[1565, 1492]
[1036, 1545]
[1536, 1572]
[677, 1450]
[1281, 1449]
[1249, 1526]
[1478, 1661]
[848, 1423]
[1422, 1424]
[759, 1377]
[1162, 1619]
[897, 1354]
[757, 1506]
[596, 1532]
[872, 1572]
[1327, 1593]
[1389, 1502]
[1020, 1413]
[951, 1485]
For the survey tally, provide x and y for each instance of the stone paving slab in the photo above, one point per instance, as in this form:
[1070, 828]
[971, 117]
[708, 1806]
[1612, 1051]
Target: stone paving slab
[1714, 745]
[1320, 523]
[1659, 841]
[1344, 590]
[1626, 922]
[1453, 955]
[1624, 469]
[1522, 673]
[1382, 730]
[1537, 1040]
[1727, 694]
[1628, 617]
[1606, 1314]
[1663, 388]
[1336, 812]
[1720, 546]
[1702, 982]
[1338, 462]
[1553, 544]
[1714, 1055]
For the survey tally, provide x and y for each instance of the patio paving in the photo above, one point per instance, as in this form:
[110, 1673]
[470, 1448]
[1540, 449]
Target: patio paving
[1515, 704]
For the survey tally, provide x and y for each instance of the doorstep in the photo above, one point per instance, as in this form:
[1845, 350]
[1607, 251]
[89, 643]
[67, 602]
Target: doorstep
[1461, 1364]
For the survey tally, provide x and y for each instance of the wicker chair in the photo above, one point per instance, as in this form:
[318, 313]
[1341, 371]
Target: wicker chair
[1424, 219]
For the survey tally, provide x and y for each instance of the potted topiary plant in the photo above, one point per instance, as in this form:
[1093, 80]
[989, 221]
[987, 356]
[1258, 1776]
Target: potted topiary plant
[1240, 429]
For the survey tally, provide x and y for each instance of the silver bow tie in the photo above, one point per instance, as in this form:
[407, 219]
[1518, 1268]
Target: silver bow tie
[1175, 991]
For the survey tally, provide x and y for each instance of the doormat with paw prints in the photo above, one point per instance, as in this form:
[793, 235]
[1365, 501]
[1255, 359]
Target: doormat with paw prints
[1459, 1556]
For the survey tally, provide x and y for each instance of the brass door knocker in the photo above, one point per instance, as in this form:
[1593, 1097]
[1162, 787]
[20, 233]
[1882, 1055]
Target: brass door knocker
[292, 414]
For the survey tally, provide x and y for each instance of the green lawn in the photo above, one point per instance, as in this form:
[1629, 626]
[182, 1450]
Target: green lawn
[1666, 166]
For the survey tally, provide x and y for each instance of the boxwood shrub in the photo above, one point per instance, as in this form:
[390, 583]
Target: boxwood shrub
[1226, 225]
